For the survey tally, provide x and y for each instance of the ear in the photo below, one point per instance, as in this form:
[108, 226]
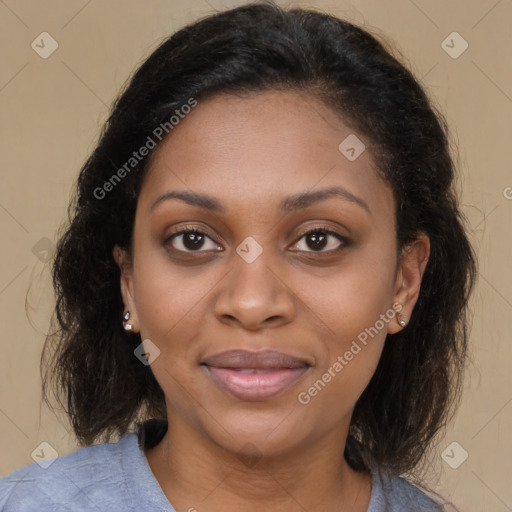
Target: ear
[413, 261]
[124, 262]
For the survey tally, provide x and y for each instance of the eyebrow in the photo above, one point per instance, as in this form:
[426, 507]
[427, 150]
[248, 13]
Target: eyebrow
[289, 204]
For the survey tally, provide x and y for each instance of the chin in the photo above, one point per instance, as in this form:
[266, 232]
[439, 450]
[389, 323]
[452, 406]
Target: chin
[269, 433]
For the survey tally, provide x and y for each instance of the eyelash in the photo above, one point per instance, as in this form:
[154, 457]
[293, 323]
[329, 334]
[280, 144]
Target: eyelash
[318, 229]
[328, 231]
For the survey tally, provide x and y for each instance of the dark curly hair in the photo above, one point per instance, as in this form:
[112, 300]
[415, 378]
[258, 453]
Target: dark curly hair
[88, 360]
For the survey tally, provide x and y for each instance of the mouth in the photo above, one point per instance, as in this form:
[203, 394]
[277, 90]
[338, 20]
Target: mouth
[254, 376]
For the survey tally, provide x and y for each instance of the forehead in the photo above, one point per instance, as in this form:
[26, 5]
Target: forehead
[254, 149]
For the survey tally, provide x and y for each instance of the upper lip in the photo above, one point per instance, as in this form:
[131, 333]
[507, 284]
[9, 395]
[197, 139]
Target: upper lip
[258, 360]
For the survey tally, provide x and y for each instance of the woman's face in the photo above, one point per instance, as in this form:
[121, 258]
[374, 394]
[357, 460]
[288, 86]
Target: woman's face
[306, 314]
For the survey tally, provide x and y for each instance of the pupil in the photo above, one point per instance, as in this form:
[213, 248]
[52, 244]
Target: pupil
[193, 240]
[318, 239]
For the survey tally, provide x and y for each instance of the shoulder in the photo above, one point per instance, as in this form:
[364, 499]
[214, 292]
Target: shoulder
[396, 494]
[76, 481]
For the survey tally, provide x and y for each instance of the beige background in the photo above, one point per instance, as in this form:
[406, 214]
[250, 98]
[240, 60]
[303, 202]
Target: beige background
[52, 110]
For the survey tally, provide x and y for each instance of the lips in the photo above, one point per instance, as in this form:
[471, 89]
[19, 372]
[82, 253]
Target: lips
[254, 376]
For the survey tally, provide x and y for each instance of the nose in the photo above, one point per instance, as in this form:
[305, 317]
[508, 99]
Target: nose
[254, 295]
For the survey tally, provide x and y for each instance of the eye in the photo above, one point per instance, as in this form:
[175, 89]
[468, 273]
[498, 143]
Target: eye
[321, 239]
[191, 240]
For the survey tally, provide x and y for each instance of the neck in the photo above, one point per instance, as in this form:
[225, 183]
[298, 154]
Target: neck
[196, 473]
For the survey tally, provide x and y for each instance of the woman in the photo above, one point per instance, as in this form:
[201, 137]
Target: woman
[263, 287]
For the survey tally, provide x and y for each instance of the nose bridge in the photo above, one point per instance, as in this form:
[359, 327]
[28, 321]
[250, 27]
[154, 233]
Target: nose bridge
[252, 292]
[252, 268]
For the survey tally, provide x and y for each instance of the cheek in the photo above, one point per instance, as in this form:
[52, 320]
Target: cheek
[350, 300]
[352, 310]
[170, 307]
[167, 296]
[346, 362]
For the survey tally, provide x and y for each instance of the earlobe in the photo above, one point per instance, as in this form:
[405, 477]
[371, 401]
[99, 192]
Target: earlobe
[129, 317]
[410, 273]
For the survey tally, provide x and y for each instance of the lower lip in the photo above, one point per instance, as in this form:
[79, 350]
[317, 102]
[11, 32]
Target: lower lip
[258, 385]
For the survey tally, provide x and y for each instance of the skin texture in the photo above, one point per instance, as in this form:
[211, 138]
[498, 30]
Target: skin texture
[250, 153]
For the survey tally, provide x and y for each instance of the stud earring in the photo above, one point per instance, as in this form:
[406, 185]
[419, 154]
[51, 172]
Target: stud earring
[126, 317]
[400, 320]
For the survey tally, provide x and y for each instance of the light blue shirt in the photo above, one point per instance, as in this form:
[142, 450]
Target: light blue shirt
[116, 477]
